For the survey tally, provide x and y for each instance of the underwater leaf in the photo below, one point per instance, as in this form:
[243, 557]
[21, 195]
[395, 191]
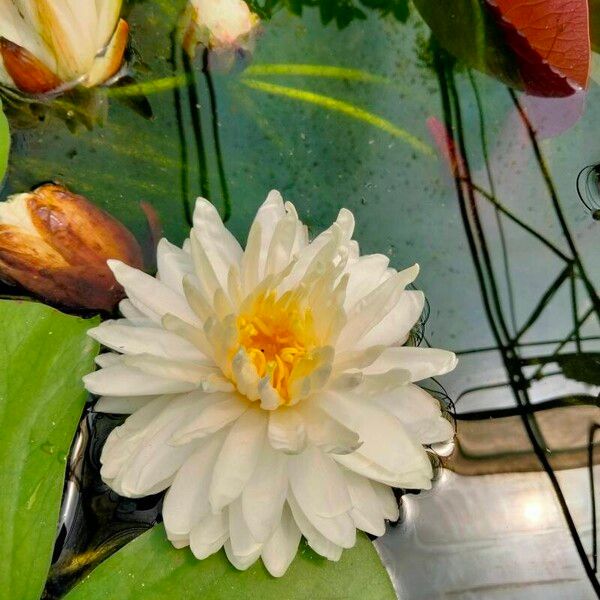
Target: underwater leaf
[4, 143]
[150, 568]
[44, 356]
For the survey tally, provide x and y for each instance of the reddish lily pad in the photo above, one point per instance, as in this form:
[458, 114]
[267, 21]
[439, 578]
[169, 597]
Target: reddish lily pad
[551, 43]
[540, 46]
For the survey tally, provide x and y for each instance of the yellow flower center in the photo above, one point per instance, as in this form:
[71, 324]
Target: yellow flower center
[277, 335]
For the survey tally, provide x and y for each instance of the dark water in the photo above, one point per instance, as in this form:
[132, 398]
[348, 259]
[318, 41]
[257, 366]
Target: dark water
[351, 113]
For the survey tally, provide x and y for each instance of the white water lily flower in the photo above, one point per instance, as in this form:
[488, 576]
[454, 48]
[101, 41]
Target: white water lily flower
[51, 45]
[269, 388]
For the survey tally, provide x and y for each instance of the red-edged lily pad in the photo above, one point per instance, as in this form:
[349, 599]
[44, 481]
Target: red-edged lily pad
[551, 42]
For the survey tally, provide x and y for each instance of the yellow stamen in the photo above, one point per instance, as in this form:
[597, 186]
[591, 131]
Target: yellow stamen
[277, 334]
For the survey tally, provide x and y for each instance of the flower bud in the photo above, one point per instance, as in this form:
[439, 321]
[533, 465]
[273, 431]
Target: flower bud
[56, 244]
[47, 47]
[225, 27]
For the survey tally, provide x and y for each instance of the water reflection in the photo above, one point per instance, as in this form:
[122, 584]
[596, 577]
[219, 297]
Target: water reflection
[588, 188]
[94, 522]
[492, 537]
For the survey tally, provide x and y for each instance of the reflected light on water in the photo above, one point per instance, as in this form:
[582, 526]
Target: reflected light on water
[533, 511]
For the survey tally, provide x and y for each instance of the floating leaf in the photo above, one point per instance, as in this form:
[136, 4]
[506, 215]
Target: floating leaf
[541, 47]
[44, 356]
[467, 30]
[551, 42]
[150, 568]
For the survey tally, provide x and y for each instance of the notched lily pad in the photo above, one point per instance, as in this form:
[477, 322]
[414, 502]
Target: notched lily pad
[150, 568]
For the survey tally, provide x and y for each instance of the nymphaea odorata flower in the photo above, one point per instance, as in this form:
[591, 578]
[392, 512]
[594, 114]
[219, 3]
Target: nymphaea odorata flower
[222, 26]
[51, 45]
[56, 244]
[269, 388]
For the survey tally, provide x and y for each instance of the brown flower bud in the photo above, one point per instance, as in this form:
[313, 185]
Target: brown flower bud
[56, 244]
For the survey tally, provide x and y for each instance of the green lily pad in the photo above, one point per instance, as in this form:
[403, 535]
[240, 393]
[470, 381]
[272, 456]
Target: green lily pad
[150, 568]
[44, 356]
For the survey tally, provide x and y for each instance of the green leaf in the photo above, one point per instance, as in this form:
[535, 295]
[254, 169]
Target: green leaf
[149, 568]
[4, 143]
[44, 356]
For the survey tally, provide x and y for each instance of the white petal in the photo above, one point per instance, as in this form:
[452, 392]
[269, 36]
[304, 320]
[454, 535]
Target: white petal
[121, 404]
[207, 279]
[121, 380]
[189, 371]
[129, 339]
[418, 479]
[151, 293]
[311, 373]
[318, 542]
[130, 312]
[282, 243]
[134, 463]
[209, 535]
[385, 440]
[319, 254]
[242, 542]
[366, 512]
[371, 310]
[108, 359]
[269, 396]
[238, 458]
[173, 265]
[395, 326]
[194, 335]
[286, 430]
[259, 240]
[264, 495]
[375, 384]
[339, 529]
[419, 411]
[318, 484]
[279, 552]
[387, 500]
[186, 503]
[355, 359]
[365, 275]
[241, 562]
[245, 375]
[421, 362]
[221, 410]
[221, 247]
[327, 433]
